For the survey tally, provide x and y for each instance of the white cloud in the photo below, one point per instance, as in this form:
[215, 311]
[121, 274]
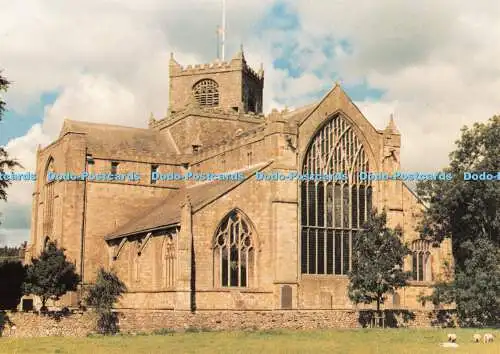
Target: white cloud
[438, 63]
[107, 59]
[16, 213]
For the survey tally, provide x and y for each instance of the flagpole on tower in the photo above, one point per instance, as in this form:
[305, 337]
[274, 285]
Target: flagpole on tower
[223, 29]
[217, 32]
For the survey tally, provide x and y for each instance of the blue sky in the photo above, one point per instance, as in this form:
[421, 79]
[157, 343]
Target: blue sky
[16, 124]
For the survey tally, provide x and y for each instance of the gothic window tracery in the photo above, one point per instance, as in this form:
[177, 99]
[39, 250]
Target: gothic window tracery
[206, 93]
[333, 212]
[421, 261]
[234, 252]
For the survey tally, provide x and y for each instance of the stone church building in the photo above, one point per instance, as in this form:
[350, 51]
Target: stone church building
[237, 243]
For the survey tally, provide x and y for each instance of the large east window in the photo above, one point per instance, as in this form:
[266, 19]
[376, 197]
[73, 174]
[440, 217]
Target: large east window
[333, 212]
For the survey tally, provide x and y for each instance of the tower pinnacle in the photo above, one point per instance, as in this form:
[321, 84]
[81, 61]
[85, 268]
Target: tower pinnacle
[391, 126]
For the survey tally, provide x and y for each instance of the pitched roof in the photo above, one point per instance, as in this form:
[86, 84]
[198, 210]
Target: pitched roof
[168, 212]
[119, 142]
[298, 114]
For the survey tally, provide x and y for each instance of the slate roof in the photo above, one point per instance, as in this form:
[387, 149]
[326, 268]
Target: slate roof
[168, 212]
[119, 142]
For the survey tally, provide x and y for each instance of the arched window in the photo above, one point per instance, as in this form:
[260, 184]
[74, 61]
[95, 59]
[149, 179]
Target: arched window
[396, 300]
[421, 261]
[332, 212]
[206, 93]
[234, 252]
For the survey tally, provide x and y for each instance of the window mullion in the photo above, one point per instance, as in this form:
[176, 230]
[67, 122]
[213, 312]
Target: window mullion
[239, 256]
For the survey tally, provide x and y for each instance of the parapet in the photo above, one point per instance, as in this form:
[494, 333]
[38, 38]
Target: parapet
[216, 66]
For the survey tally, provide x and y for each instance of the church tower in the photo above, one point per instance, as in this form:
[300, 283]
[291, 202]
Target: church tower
[231, 86]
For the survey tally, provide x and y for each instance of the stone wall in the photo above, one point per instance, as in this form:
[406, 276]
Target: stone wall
[27, 324]
[78, 324]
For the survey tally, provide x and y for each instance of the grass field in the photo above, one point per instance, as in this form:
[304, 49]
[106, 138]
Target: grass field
[386, 341]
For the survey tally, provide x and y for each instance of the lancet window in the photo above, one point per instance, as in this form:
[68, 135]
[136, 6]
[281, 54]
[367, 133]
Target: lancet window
[168, 261]
[421, 260]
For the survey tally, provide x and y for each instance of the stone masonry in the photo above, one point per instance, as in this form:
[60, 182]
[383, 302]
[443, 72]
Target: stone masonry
[83, 324]
[228, 245]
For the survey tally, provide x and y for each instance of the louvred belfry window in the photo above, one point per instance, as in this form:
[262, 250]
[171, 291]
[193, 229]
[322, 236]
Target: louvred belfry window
[333, 212]
[206, 93]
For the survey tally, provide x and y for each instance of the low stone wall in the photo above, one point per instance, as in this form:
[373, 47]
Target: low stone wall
[80, 324]
[28, 324]
[219, 320]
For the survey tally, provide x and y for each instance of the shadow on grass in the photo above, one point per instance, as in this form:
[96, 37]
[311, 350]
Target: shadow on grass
[392, 318]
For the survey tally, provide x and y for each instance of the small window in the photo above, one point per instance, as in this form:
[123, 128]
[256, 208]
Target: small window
[90, 166]
[249, 158]
[114, 168]
[154, 171]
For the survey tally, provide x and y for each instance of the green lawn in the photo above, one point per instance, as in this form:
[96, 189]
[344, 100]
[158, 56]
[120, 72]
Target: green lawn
[320, 341]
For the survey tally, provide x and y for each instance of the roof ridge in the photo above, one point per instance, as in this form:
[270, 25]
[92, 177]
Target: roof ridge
[72, 121]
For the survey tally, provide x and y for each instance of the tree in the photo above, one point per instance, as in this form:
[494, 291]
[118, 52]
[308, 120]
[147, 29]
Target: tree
[4, 85]
[477, 287]
[102, 295]
[377, 266]
[463, 209]
[12, 275]
[50, 276]
[468, 211]
[5, 161]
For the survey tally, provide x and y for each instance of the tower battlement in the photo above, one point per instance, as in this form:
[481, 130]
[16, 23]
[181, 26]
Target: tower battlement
[236, 63]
